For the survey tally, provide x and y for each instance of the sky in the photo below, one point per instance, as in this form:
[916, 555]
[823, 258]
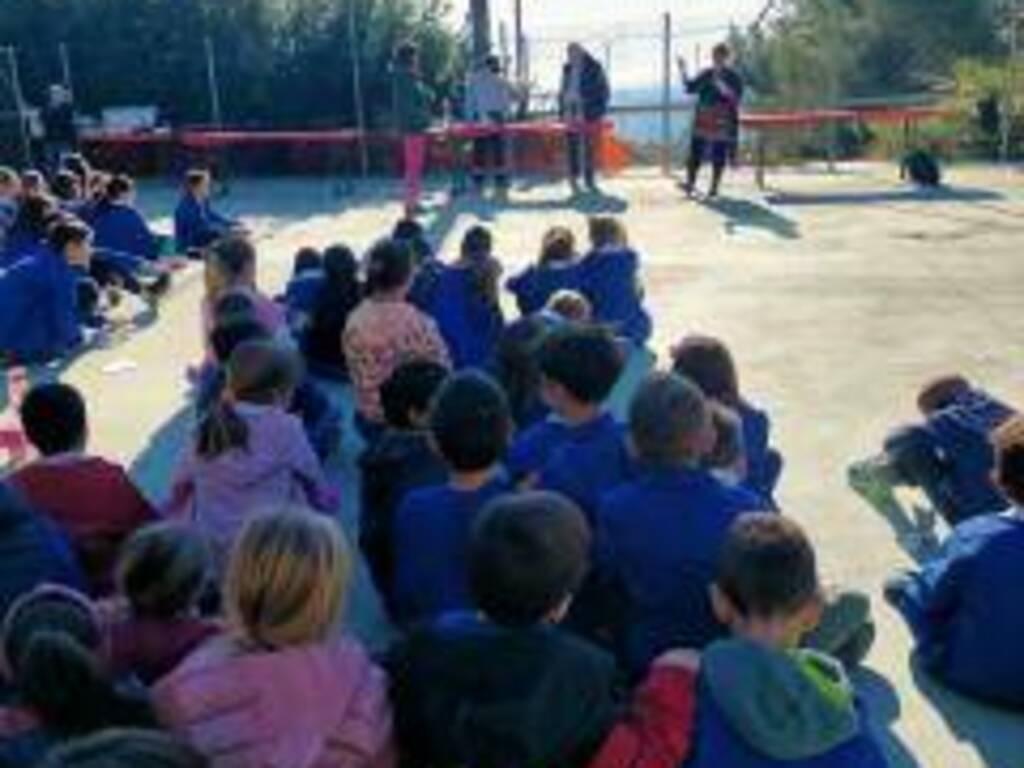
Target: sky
[624, 33]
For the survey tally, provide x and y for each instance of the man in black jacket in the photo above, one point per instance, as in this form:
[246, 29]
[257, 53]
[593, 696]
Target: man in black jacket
[60, 134]
[583, 103]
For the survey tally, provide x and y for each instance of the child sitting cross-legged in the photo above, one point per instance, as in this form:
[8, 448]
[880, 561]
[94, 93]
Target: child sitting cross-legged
[580, 450]
[962, 605]
[469, 427]
[399, 461]
[505, 686]
[284, 687]
[93, 501]
[556, 270]
[163, 571]
[762, 702]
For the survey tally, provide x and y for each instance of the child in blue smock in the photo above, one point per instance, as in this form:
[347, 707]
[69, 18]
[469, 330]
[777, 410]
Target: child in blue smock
[119, 226]
[196, 223]
[556, 270]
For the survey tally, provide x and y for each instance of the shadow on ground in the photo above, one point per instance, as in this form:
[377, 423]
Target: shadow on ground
[908, 194]
[741, 214]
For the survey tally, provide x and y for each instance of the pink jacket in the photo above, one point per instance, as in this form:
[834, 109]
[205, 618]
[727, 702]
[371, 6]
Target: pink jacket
[311, 707]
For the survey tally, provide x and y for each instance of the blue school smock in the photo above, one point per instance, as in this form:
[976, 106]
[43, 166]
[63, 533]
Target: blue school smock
[535, 285]
[432, 533]
[532, 449]
[966, 613]
[470, 324]
[660, 537]
[764, 464]
[303, 292]
[196, 224]
[39, 307]
[717, 745]
[593, 460]
[611, 281]
[121, 228]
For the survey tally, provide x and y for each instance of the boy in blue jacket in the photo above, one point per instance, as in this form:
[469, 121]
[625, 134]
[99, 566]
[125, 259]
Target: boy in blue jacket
[761, 702]
[964, 606]
[659, 536]
[949, 455]
[196, 224]
[579, 450]
[469, 425]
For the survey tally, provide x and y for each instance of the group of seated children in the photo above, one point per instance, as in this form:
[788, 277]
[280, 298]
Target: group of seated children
[70, 248]
[567, 589]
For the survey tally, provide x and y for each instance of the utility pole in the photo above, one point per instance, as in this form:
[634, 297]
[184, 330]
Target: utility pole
[1008, 111]
[520, 42]
[480, 17]
[212, 84]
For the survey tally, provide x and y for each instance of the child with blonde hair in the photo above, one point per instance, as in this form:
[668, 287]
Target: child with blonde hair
[284, 661]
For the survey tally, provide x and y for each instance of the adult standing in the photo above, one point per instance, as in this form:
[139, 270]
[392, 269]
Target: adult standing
[583, 104]
[489, 100]
[719, 92]
[60, 134]
[412, 107]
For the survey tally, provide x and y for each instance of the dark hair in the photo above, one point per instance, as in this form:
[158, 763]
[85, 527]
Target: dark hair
[411, 387]
[412, 233]
[66, 231]
[340, 293]
[942, 392]
[117, 186]
[605, 231]
[227, 336]
[529, 553]
[728, 448]
[768, 567]
[126, 748]
[1009, 444]
[583, 359]
[54, 418]
[52, 641]
[78, 165]
[405, 54]
[163, 569]
[707, 362]
[517, 364]
[558, 246]
[668, 413]
[477, 247]
[233, 255]
[233, 306]
[257, 372]
[722, 49]
[388, 266]
[66, 186]
[35, 215]
[196, 177]
[307, 260]
[470, 422]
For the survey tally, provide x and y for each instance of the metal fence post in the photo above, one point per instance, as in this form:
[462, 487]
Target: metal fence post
[19, 104]
[666, 96]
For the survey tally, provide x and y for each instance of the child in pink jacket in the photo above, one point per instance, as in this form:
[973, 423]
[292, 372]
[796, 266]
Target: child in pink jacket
[282, 689]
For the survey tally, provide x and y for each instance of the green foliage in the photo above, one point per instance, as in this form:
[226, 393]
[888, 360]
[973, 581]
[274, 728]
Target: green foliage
[279, 62]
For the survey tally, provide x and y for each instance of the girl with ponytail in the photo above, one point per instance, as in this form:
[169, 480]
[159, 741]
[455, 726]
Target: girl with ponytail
[249, 453]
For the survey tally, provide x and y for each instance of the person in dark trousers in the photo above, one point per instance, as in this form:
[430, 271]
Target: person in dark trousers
[583, 104]
[719, 92]
[489, 100]
[60, 134]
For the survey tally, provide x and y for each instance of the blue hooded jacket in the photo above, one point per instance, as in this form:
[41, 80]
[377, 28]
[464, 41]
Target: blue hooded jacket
[611, 281]
[121, 228]
[469, 322]
[534, 286]
[38, 308]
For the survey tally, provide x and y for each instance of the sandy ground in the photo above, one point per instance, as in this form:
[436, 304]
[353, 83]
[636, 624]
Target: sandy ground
[838, 293]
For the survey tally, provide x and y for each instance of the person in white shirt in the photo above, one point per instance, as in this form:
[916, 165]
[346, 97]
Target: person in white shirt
[489, 100]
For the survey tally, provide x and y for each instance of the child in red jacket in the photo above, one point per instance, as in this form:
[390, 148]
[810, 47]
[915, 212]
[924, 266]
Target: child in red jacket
[93, 501]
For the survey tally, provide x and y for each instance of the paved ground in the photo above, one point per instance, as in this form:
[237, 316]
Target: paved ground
[839, 295]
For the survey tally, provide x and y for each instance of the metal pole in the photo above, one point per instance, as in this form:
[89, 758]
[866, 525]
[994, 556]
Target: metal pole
[357, 88]
[1009, 102]
[519, 43]
[19, 105]
[211, 78]
[666, 97]
[65, 69]
[480, 11]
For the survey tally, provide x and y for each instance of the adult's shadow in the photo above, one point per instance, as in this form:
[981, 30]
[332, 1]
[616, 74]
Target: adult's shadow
[742, 214]
[885, 709]
[996, 734]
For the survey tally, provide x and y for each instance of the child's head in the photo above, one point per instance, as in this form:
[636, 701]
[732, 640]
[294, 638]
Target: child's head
[287, 579]
[307, 260]
[477, 248]
[767, 588]
[407, 393]
[941, 393]
[412, 233]
[119, 188]
[1009, 445]
[163, 569]
[52, 646]
[229, 335]
[389, 268]
[727, 456]
[33, 182]
[558, 246]
[670, 422]
[36, 214]
[234, 306]
[528, 557]
[72, 239]
[125, 748]
[197, 183]
[570, 306]
[230, 263]
[707, 362]
[470, 422]
[66, 186]
[607, 232]
[54, 418]
[78, 165]
[10, 183]
[477, 244]
[579, 366]
[341, 269]
[518, 362]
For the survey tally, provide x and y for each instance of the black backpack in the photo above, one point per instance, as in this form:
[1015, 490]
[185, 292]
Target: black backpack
[922, 168]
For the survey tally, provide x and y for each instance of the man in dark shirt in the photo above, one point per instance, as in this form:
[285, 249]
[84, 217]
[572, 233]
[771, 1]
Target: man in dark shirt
[583, 104]
[60, 135]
